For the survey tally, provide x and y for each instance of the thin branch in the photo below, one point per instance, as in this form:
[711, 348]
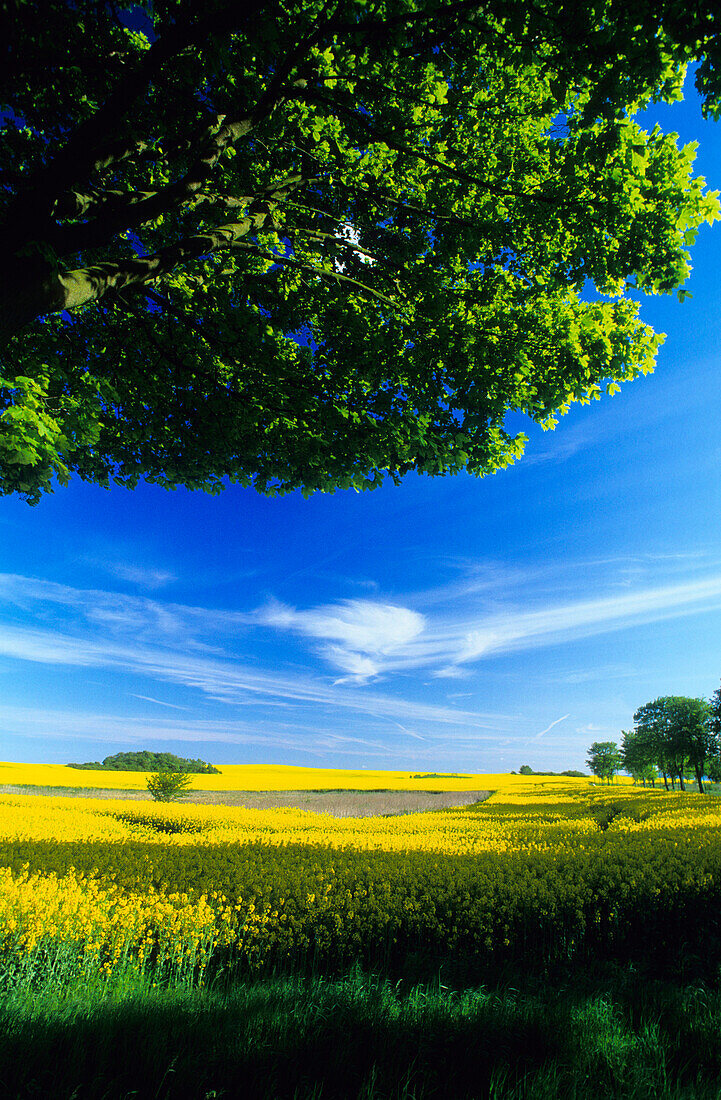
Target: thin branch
[341, 242]
[290, 261]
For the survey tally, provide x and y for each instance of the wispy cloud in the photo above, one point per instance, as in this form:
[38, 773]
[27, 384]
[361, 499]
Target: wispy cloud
[229, 681]
[306, 737]
[111, 728]
[360, 641]
[159, 702]
[139, 575]
[548, 728]
[560, 445]
[552, 625]
[101, 613]
[49, 647]
[379, 638]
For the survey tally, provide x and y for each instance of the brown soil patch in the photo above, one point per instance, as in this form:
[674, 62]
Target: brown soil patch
[335, 803]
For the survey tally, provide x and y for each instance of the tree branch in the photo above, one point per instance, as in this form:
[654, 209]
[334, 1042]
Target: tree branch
[119, 210]
[55, 291]
[324, 273]
[88, 146]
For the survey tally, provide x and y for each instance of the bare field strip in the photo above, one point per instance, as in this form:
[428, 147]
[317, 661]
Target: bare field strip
[337, 803]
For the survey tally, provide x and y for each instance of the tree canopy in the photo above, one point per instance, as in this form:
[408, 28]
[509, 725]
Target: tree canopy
[675, 733]
[299, 245]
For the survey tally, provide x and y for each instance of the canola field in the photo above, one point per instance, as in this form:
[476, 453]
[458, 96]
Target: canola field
[545, 868]
[259, 777]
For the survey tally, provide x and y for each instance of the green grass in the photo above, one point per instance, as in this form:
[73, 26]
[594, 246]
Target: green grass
[616, 1034]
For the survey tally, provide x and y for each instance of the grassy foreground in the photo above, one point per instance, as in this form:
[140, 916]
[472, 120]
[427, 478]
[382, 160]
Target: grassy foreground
[365, 1037]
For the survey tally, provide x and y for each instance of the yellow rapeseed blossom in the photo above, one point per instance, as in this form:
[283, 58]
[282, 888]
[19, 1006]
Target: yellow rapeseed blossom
[546, 866]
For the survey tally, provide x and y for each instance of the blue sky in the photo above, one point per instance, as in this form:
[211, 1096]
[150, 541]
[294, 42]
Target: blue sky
[448, 624]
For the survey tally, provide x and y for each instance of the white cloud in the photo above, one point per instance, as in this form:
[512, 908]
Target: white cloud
[356, 632]
[357, 667]
[548, 728]
[363, 625]
[48, 647]
[225, 680]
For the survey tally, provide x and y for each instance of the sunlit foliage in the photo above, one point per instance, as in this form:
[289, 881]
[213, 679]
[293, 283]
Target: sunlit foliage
[313, 247]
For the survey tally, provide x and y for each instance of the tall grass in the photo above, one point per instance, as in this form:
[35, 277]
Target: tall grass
[359, 1037]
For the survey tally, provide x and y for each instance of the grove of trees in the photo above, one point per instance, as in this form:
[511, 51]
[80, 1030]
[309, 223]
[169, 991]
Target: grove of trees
[526, 769]
[146, 761]
[673, 736]
[307, 246]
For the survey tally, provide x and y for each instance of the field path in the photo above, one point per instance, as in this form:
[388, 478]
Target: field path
[338, 803]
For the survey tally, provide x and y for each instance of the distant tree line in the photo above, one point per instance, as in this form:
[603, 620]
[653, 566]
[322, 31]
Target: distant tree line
[673, 737]
[526, 769]
[148, 762]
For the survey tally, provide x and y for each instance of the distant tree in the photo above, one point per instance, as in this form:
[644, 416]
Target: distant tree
[526, 769]
[691, 719]
[648, 773]
[650, 743]
[168, 786]
[713, 769]
[604, 759]
[675, 732]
